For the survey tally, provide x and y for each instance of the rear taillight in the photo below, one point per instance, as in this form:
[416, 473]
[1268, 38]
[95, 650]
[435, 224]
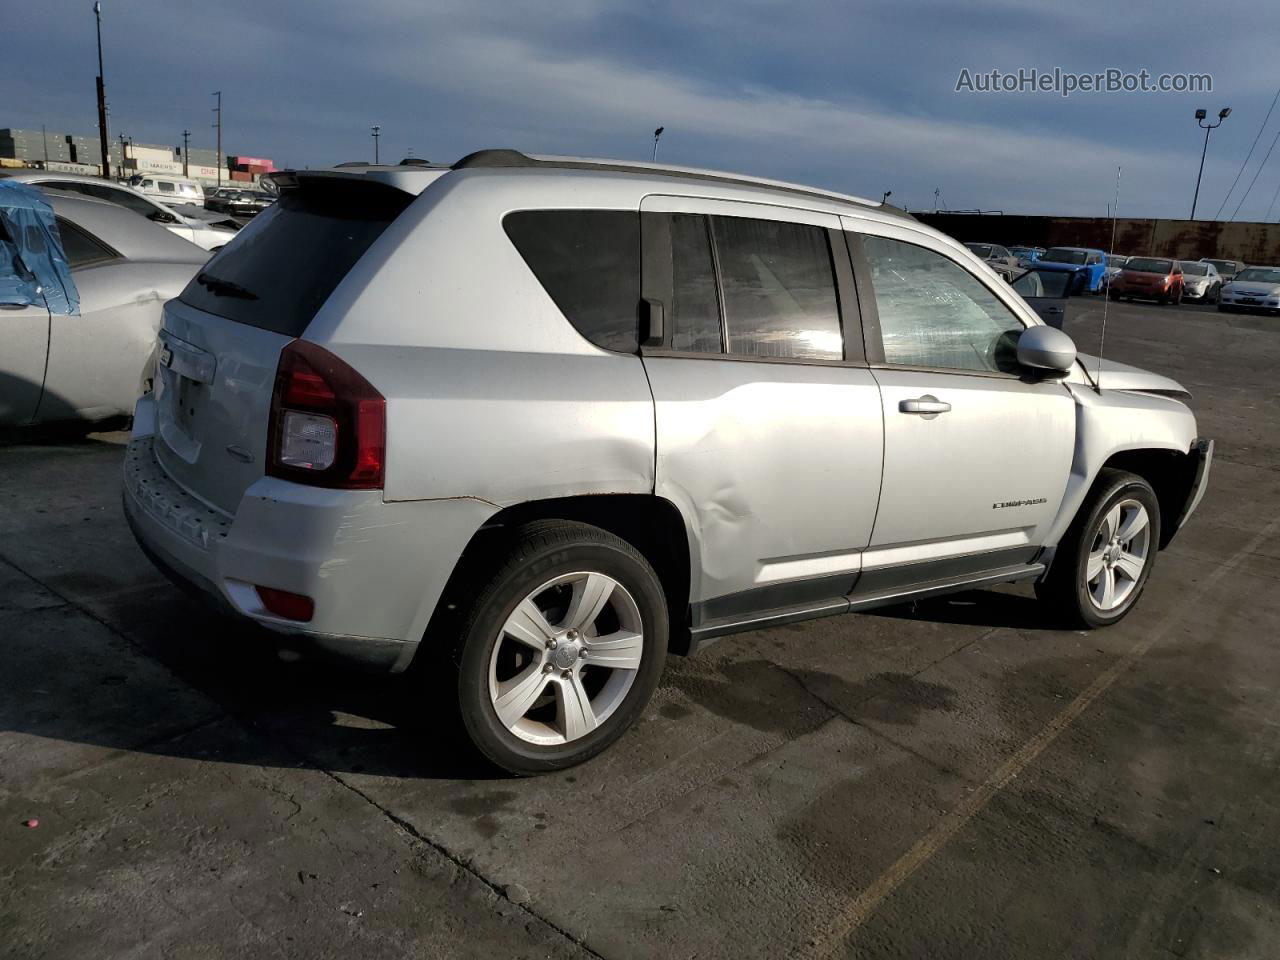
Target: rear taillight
[328, 424]
[289, 606]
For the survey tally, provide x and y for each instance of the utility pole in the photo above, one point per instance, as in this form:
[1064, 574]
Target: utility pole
[186, 139]
[45, 137]
[218, 126]
[123, 165]
[377, 132]
[102, 100]
[1208, 128]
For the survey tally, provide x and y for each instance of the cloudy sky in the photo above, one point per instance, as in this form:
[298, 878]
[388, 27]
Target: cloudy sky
[858, 97]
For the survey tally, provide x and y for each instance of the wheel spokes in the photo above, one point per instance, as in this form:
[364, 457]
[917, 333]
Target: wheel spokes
[1133, 524]
[1110, 524]
[1097, 560]
[1130, 565]
[620, 651]
[590, 594]
[1106, 591]
[574, 714]
[518, 695]
[527, 625]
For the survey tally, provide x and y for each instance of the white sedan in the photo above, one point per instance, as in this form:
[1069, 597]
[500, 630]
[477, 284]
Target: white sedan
[94, 365]
[208, 236]
[1253, 288]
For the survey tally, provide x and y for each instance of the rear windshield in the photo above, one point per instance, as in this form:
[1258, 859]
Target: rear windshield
[1064, 255]
[1148, 265]
[281, 268]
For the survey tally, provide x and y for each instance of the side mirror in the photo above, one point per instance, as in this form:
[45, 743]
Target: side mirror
[1044, 348]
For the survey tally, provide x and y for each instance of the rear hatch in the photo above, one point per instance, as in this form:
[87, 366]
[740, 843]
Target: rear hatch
[221, 339]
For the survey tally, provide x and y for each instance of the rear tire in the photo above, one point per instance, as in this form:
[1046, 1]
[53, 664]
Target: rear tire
[562, 647]
[1105, 558]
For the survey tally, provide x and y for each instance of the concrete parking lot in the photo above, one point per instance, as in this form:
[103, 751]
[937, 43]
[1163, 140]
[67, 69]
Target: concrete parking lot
[957, 778]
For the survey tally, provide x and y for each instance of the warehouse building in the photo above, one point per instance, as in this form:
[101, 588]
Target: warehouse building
[73, 153]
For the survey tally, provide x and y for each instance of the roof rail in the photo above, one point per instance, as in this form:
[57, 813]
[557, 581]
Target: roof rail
[508, 159]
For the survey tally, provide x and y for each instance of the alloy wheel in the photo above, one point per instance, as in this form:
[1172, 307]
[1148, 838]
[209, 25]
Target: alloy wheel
[1120, 551]
[566, 658]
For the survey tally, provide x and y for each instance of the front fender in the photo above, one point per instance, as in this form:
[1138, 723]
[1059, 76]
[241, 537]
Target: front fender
[1114, 422]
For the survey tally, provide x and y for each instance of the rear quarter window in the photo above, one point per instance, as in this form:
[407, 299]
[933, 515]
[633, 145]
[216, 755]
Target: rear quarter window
[280, 269]
[588, 261]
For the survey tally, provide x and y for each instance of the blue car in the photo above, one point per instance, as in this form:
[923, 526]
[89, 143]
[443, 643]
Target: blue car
[1027, 255]
[1088, 264]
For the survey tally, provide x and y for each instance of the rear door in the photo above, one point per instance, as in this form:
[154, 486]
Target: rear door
[768, 431]
[976, 459]
[221, 339]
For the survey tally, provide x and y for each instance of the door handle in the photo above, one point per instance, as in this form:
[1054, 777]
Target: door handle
[928, 406]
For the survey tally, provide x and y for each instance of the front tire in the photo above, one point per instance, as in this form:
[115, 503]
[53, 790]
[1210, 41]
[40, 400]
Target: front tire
[561, 649]
[1105, 559]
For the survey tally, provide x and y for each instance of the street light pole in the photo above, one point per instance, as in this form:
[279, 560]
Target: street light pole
[102, 99]
[377, 132]
[1208, 127]
[656, 134]
[218, 154]
[186, 151]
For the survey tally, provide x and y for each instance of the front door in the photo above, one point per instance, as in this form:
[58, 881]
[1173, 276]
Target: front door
[976, 458]
[768, 433]
[24, 344]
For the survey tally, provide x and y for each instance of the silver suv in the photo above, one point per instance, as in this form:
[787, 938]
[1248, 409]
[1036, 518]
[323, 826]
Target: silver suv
[536, 422]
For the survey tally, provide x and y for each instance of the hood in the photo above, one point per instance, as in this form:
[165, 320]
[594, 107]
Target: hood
[1256, 287]
[1121, 376]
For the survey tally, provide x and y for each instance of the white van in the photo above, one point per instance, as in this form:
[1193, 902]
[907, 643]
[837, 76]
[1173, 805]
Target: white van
[171, 190]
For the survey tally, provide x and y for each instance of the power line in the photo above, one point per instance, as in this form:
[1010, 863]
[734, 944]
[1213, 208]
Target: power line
[1271, 206]
[1261, 166]
[1249, 154]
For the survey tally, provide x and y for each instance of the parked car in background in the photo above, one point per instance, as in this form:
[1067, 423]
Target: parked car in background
[1114, 263]
[1149, 278]
[241, 203]
[997, 258]
[1254, 289]
[1200, 281]
[1227, 269]
[170, 190]
[330, 450]
[1087, 263]
[1027, 255]
[95, 365]
[209, 236]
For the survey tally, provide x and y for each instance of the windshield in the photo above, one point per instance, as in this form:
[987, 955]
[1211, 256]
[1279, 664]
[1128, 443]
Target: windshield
[1227, 265]
[1064, 255]
[1195, 269]
[1149, 265]
[1117, 261]
[1259, 275]
[981, 249]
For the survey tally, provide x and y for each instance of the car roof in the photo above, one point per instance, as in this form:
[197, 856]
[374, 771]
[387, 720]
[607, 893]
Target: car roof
[132, 236]
[415, 176]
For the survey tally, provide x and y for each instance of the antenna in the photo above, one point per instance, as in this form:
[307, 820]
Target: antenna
[1111, 252]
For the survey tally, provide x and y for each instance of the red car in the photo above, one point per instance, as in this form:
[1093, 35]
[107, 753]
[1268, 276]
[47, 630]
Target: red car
[1149, 278]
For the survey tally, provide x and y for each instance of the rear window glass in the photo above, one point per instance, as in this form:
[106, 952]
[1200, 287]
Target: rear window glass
[588, 261]
[282, 267]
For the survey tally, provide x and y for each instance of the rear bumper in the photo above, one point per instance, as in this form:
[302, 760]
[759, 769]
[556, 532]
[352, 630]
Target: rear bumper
[375, 570]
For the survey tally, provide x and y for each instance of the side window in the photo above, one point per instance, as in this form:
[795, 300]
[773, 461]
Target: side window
[588, 261]
[165, 186]
[695, 305]
[779, 289]
[934, 313]
[81, 249]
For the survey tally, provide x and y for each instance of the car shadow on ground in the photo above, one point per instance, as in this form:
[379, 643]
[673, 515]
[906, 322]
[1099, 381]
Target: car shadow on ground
[987, 608]
[300, 707]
